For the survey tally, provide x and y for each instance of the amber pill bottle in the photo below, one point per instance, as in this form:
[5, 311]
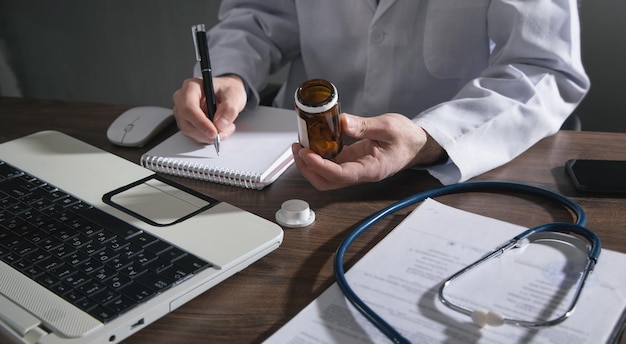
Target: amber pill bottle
[317, 105]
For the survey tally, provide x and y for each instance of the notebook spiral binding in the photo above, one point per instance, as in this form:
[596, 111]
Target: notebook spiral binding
[201, 172]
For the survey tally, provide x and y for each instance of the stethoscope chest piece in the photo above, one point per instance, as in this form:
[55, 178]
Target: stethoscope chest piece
[533, 280]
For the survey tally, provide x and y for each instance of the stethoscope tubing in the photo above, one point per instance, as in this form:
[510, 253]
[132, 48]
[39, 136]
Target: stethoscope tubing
[489, 186]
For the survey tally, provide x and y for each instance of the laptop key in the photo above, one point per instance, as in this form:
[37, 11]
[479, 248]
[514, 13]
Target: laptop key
[33, 271]
[175, 273]
[192, 263]
[47, 280]
[104, 296]
[118, 281]
[158, 247]
[8, 172]
[138, 292]
[62, 271]
[103, 314]
[91, 288]
[119, 227]
[86, 304]
[158, 265]
[155, 281]
[76, 258]
[173, 254]
[120, 304]
[143, 239]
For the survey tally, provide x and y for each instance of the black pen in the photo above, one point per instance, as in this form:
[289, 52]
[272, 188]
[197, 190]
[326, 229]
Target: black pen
[202, 56]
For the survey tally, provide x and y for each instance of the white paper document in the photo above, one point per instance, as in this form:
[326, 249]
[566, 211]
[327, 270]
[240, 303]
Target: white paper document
[400, 277]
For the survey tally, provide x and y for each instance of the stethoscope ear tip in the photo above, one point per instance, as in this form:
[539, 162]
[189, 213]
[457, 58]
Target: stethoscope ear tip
[482, 318]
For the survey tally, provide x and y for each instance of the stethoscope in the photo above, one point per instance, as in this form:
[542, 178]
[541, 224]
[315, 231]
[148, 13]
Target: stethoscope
[479, 317]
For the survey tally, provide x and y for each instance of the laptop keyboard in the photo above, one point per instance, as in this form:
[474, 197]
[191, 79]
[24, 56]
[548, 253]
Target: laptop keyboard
[100, 264]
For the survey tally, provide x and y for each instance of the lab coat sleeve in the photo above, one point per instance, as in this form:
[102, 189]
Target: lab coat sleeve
[253, 40]
[535, 79]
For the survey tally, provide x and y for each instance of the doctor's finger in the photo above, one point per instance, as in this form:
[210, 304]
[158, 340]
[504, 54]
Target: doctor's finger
[190, 130]
[225, 116]
[326, 174]
[231, 99]
[374, 128]
[192, 120]
[310, 170]
[189, 112]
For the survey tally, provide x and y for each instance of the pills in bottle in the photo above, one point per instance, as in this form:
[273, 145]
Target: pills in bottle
[317, 105]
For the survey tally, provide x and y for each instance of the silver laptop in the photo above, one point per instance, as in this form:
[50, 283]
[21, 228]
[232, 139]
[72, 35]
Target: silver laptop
[94, 248]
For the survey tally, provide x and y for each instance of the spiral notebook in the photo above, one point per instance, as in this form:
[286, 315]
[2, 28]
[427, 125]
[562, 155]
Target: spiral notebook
[253, 157]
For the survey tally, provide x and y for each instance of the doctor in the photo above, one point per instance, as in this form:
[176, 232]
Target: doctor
[458, 87]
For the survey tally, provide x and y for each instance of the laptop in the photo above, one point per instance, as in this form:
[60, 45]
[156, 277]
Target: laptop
[94, 248]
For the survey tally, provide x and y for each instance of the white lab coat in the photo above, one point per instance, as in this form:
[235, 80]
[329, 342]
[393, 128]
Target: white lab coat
[486, 79]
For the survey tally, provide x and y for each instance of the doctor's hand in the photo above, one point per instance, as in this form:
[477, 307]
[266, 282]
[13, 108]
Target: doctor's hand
[190, 108]
[386, 145]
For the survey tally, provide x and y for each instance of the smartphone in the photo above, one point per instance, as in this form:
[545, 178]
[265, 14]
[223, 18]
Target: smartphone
[604, 176]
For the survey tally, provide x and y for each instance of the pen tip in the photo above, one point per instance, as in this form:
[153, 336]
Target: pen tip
[216, 143]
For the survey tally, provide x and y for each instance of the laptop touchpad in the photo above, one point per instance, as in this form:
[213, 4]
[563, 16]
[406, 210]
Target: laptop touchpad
[158, 202]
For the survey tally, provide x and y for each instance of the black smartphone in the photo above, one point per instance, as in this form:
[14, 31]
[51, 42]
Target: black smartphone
[604, 176]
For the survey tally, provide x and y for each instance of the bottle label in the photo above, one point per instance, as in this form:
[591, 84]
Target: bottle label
[303, 133]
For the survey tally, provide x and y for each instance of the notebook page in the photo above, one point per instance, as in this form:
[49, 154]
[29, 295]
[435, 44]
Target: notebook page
[260, 145]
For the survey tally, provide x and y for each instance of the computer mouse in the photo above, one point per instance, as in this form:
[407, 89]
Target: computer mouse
[136, 126]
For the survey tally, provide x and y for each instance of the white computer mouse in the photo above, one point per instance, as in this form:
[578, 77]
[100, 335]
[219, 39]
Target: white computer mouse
[136, 126]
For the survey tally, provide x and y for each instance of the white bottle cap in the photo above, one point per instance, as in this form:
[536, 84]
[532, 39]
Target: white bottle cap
[317, 109]
[295, 213]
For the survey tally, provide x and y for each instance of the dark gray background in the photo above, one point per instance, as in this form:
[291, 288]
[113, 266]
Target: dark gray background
[138, 52]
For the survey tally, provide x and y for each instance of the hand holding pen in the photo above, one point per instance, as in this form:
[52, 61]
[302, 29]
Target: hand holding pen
[202, 56]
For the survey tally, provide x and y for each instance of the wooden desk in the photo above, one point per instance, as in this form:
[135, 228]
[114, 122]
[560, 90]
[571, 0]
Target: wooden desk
[251, 305]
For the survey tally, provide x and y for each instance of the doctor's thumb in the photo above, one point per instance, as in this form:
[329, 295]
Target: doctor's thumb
[354, 126]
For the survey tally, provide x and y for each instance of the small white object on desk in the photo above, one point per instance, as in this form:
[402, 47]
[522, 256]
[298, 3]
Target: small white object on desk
[136, 126]
[295, 213]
